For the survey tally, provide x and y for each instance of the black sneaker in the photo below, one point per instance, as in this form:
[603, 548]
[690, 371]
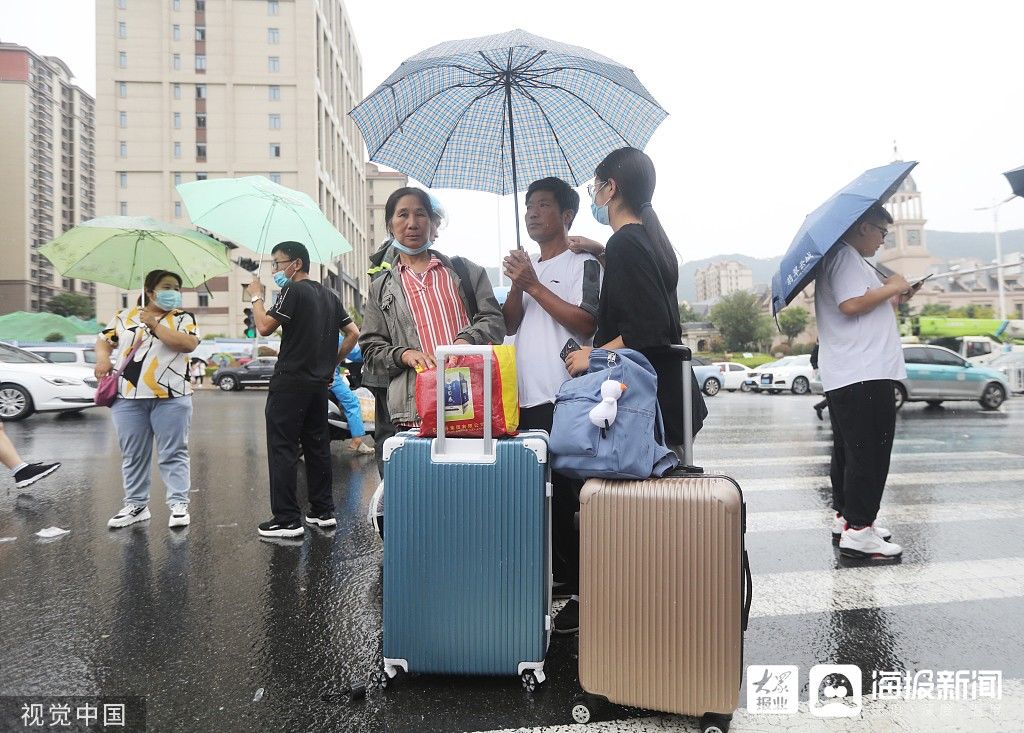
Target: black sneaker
[325, 520]
[567, 621]
[274, 528]
[33, 472]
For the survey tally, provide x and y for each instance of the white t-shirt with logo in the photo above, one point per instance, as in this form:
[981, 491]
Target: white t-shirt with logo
[576, 279]
[853, 348]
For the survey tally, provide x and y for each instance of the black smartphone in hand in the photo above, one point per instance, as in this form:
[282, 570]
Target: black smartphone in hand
[570, 346]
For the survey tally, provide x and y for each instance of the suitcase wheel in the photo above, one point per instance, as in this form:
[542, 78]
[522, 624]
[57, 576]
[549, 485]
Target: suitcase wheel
[585, 709]
[377, 680]
[529, 679]
[711, 723]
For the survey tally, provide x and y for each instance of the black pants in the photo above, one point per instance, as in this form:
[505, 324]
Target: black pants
[565, 502]
[295, 418]
[863, 417]
[382, 426]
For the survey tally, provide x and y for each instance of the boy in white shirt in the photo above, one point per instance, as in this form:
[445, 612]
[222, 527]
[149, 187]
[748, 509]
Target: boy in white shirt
[553, 300]
[859, 358]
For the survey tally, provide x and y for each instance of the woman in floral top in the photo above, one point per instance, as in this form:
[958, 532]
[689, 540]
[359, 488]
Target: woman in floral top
[154, 395]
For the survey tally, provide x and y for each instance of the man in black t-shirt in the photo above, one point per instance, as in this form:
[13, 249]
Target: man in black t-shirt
[311, 317]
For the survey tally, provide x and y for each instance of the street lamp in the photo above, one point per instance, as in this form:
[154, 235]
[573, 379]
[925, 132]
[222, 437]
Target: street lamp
[994, 208]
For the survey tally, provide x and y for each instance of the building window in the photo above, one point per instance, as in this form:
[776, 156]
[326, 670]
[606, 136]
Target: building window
[177, 209]
[201, 176]
[201, 151]
[275, 93]
[176, 61]
[176, 120]
[123, 208]
[204, 300]
[200, 62]
[274, 121]
[177, 179]
[177, 150]
[122, 89]
[122, 59]
[275, 177]
[123, 179]
[273, 64]
[124, 300]
[273, 7]
[200, 33]
[273, 35]
[177, 91]
[122, 4]
[175, 4]
[124, 149]
[122, 120]
[200, 120]
[200, 6]
[176, 32]
[200, 91]
[275, 150]
[122, 29]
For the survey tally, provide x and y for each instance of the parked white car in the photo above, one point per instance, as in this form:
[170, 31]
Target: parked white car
[29, 383]
[790, 372]
[733, 376]
[84, 355]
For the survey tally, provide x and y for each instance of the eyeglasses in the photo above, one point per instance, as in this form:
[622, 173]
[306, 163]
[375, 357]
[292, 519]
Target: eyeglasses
[277, 264]
[592, 191]
[883, 230]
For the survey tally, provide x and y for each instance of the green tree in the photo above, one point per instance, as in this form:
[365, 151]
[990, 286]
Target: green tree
[738, 316]
[687, 314]
[973, 311]
[934, 309]
[792, 322]
[54, 337]
[71, 304]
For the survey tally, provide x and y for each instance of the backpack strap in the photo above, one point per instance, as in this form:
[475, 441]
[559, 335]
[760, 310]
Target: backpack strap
[459, 265]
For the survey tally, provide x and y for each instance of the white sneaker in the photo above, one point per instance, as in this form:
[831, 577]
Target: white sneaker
[866, 544]
[179, 515]
[839, 524]
[129, 514]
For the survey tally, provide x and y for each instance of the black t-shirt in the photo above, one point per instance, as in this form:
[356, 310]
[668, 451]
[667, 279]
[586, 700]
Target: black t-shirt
[637, 301]
[311, 316]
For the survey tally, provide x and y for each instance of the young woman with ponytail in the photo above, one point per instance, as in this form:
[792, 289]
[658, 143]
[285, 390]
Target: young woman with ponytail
[638, 307]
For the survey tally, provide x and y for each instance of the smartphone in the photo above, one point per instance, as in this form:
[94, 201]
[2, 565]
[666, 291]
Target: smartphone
[570, 346]
[920, 282]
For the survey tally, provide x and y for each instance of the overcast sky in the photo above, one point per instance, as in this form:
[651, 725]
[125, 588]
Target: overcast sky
[773, 105]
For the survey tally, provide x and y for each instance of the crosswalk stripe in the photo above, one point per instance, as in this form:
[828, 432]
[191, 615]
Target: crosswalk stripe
[895, 479]
[892, 514]
[984, 455]
[745, 448]
[881, 586]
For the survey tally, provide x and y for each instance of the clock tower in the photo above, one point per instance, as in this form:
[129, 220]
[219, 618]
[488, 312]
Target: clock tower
[904, 250]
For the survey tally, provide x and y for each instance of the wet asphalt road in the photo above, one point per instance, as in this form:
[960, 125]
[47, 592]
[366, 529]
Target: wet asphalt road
[198, 620]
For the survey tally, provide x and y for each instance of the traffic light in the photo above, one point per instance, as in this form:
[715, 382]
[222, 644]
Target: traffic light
[250, 324]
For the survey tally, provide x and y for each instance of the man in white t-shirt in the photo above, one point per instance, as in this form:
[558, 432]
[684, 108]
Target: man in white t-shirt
[553, 300]
[859, 357]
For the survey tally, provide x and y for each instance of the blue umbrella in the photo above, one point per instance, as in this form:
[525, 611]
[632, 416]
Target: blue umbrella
[1016, 179]
[825, 225]
[495, 113]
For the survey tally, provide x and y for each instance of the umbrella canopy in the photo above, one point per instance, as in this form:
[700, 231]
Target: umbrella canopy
[824, 226]
[259, 213]
[35, 327]
[498, 112]
[120, 250]
[1016, 179]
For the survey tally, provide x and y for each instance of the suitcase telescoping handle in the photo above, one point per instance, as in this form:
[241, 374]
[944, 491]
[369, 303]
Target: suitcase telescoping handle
[441, 356]
[684, 353]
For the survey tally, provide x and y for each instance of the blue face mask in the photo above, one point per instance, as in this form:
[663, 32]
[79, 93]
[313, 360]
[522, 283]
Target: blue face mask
[168, 299]
[408, 250]
[600, 213]
[281, 280]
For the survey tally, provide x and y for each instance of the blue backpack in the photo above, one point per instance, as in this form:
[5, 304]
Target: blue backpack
[632, 447]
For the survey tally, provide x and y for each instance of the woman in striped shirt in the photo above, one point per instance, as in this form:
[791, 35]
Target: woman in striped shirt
[424, 301]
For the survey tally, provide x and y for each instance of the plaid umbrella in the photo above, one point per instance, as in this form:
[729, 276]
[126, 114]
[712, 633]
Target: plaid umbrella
[487, 113]
[1016, 179]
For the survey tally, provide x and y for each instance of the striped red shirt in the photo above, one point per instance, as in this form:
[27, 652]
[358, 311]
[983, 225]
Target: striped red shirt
[435, 304]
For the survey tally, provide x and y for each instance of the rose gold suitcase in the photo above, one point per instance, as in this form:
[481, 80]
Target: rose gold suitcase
[665, 593]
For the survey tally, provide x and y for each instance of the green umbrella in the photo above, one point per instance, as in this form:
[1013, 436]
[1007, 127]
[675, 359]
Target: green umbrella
[259, 213]
[120, 250]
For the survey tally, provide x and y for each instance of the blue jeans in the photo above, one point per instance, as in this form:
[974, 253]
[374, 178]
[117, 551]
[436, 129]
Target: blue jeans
[350, 404]
[137, 423]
